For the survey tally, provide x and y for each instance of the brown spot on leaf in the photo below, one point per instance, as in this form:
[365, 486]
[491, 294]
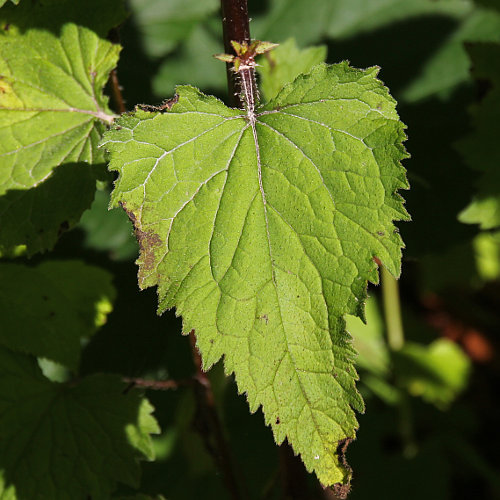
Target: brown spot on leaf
[264, 317]
[148, 241]
[278, 421]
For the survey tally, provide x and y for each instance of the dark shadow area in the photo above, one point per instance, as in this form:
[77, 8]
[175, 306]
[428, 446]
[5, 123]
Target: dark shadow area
[38, 216]
[134, 341]
[135, 68]
[440, 181]
[80, 427]
[400, 49]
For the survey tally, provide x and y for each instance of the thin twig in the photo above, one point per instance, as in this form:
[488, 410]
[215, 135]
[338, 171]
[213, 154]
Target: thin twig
[209, 417]
[116, 92]
[114, 84]
[159, 385]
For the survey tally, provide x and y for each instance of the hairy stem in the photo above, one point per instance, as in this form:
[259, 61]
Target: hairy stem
[235, 25]
[210, 424]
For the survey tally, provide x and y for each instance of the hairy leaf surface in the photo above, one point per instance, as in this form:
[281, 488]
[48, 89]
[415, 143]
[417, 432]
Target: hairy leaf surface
[261, 230]
[63, 441]
[52, 114]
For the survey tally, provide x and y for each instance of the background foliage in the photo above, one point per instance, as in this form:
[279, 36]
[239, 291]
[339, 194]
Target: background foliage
[430, 407]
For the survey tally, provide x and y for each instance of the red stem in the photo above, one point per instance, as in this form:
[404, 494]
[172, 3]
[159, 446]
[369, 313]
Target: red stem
[235, 24]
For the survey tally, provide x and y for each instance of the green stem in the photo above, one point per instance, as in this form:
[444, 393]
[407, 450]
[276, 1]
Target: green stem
[392, 311]
[395, 341]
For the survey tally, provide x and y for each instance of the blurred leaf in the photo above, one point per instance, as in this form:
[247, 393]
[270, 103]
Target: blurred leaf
[194, 64]
[487, 247]
[68, 440]
[162, 25]
[480, 148]
[368, 339]
[109, 230]
[46, 310]
[292, 18]
[32, 220]
[284, 63]
[449, 65]
[350, 17]
[2, 2]
[342, 18]
[437, 372]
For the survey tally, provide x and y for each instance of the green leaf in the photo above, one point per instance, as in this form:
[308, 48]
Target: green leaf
[342, 18]
[369, 340]
[68, 440]
[261, 230]
[480, 148]
[52, 113]
[437, 372]
[32, 220]
[449, 65]
[351, 17]
[108, 230]
[2, 2]
[284, 63]
[487, 247]
[194, 63]
[164, 24]
[46, 310]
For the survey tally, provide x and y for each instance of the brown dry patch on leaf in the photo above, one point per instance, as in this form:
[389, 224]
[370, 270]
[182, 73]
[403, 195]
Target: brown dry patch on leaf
[342, 490]
[148, 242]
[165, 105]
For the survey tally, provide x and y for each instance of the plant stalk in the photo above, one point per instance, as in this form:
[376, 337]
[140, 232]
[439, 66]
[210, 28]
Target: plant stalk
[212, 425]
[395, 342]
[392, 311]
[235, 25]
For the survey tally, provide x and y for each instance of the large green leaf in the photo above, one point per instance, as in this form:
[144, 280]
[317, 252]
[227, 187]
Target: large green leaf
[261, 230]
[46, 310]
[74, 440]
[52, 113]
